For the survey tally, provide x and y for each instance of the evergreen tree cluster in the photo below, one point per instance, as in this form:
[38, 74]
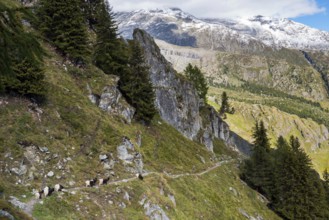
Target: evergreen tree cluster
[62, 22]
[285, 176]
[21, 71]
[136, 85]
[65, 23]
[225, 106]
[195, 75]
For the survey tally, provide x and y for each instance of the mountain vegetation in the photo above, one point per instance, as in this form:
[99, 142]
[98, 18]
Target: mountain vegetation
[21, 67]
[62, 23]
[225, 105]
[286, 177]
[111, 52]
[136, 85]
[194, 74]
[68, 81]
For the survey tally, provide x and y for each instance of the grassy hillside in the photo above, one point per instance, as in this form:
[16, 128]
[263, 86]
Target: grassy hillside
[61, 140]
[273, 111]
[71, 127]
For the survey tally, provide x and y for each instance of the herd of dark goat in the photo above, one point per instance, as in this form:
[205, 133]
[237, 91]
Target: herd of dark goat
[47, 191]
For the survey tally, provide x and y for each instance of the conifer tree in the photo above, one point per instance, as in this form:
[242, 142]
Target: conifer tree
[225, 106]
[110, 52]
[28, 80]
[20, 56]
[62, 22]
[257, 171]
[136, 85]
[299, 192]
[195, 75]
[90, 11]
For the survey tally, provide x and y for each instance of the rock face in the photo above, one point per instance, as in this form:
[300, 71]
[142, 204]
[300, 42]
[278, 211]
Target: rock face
[111, 101]
[6, 215]
[155, 212]
[177, 100]
[125, 151]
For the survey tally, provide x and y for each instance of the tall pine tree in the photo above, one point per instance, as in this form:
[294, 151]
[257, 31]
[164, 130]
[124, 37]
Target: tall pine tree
[136, 85]
[62, 22]
[296, 187]
[110, 53]
[28, 79]
[20, 57]
[257, 171]
[195, 75]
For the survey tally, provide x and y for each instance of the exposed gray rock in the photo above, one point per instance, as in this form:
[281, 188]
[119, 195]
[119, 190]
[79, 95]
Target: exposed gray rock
[123, 153]
[6, 215]
[154, 212]
[21, 205]
[177, 100]
[50, 174]
[109, 165]
[111, 101]
[207, 140]
[22, 170]
[31, 155]
[44, 149]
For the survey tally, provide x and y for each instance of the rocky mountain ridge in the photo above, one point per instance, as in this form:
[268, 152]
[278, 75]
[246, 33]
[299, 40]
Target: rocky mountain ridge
[178, 102]
[239, 34]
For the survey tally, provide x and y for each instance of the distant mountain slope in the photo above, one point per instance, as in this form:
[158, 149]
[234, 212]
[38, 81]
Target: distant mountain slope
[180, 28]
[283, 70]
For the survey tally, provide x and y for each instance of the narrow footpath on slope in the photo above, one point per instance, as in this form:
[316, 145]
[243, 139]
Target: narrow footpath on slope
[30, 204]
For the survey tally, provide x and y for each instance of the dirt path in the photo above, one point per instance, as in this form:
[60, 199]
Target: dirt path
[32, 202]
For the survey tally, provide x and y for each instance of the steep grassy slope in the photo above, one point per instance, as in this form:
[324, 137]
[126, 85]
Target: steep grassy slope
[250, 107]
[61, 142]
[76, 131]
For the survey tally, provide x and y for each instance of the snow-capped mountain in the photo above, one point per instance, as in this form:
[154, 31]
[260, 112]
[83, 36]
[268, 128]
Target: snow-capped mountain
[177, 27]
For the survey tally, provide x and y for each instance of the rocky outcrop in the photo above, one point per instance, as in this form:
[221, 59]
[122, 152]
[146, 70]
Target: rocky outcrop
[177, 100]
[6, 215]
[111, 101]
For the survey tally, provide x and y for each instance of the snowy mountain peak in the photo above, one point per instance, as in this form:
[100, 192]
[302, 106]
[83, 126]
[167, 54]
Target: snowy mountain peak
[178, 27]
